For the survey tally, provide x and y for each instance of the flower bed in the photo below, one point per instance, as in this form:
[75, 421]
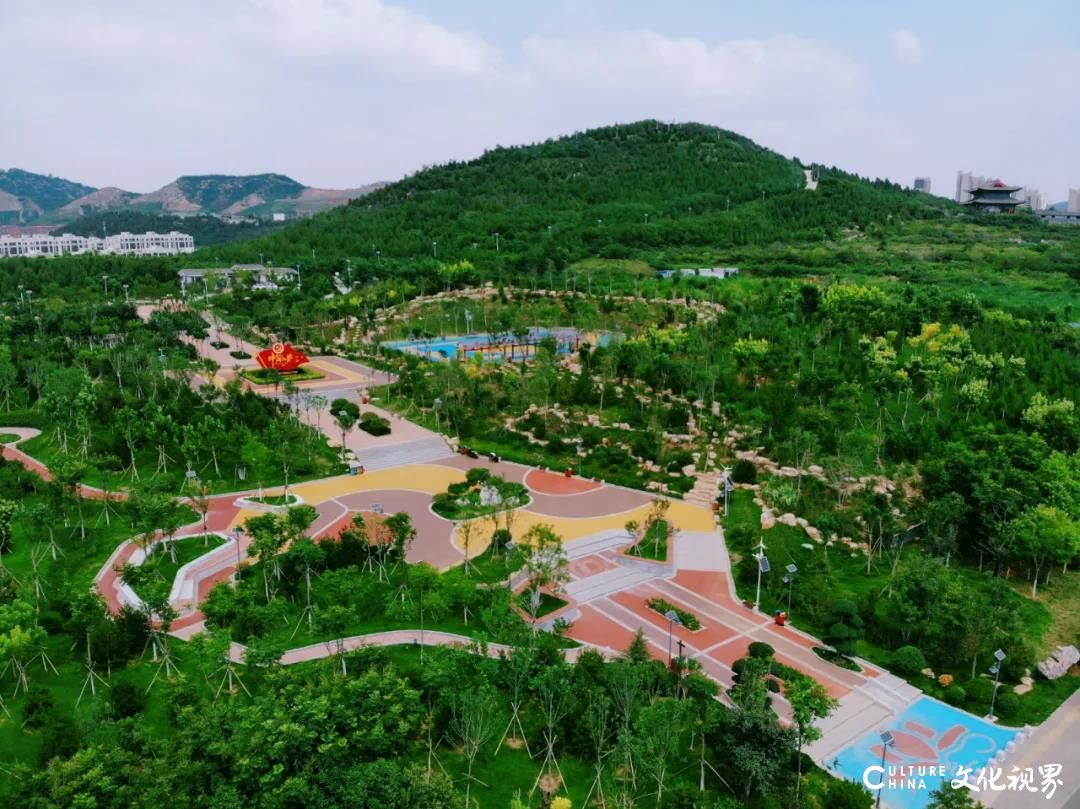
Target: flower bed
[687, 619]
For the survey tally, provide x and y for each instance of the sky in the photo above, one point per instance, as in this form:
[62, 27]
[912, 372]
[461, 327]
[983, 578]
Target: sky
[339, 93]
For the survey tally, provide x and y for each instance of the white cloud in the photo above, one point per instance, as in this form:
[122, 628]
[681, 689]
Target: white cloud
[906, 46]
[383, 37]
[743, 72]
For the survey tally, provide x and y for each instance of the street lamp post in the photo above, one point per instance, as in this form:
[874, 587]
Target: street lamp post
[435, 406]
[435, 249]
[126, 298]
[728, 486]
[105, 281]
[789, 580]
[763, 567]
[887, 741]
[995, 669]
[496, 242]
[344, 417]
[672, 619]
[236, 539]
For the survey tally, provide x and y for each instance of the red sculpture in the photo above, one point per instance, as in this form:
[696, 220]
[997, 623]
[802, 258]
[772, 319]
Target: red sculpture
[281, 357]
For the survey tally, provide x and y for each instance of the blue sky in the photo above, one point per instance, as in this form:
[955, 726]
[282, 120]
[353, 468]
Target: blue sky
[343, 92]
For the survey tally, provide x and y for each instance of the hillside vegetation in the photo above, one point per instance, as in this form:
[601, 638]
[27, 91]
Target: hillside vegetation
[608, 192]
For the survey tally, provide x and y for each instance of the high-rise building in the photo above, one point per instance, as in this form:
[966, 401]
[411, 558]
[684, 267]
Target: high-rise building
[1074, 200]
[922, 184]
[966, 182]
[1033, 198]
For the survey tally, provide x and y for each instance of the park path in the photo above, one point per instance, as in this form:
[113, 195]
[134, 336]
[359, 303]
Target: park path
[1055, 741]
[396, 637]
[11, 452]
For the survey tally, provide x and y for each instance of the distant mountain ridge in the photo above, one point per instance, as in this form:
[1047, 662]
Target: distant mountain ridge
[27, 198]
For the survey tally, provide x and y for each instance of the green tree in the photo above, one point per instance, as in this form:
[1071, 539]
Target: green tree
[1045, 535]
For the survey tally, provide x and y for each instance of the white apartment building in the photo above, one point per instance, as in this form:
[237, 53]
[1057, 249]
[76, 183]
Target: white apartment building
[120, 244]
[1074, 200]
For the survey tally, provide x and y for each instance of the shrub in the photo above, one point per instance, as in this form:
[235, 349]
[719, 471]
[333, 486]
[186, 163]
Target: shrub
[772, 685]
[955, 695]
[352, 408]
[760, 650]
[980, 690]
[1007, 703]
[687, 619]
[739, 665]
[40, 708]
[374, 424]
[477, 475]
[127, 699]
[744, 472]
[501, 538]
[909, 660]
[239, 355]
[677, 417]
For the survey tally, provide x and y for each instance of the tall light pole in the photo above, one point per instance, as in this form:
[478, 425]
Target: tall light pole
[105, 280]
[728, 486]
[496, 242]
[435, 406]
[995, 669]
[789, 580]
[762, 567]
[672, 619]
[887, 741]
[236, 539]
[435, 249]
[348, 269]
[344, 419]
[126, 298]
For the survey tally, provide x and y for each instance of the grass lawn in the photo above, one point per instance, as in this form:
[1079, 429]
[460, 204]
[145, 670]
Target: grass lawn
[7, 438]
[548, 603]
[1062, 600]
[43, 448]
[188, 549]
[275, 500]
[654, 545]
[265, 376]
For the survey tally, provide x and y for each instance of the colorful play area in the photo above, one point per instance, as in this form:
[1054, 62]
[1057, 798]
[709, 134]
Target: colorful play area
[496, 347]
[926, 733]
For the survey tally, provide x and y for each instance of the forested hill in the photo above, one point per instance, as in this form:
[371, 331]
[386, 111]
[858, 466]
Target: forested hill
[612, 192]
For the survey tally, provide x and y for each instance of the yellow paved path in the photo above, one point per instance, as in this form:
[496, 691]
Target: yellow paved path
[428, 478]
[434, 478]
[683, 516]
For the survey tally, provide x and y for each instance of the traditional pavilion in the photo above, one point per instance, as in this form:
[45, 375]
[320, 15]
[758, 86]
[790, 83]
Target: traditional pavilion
[994, 197]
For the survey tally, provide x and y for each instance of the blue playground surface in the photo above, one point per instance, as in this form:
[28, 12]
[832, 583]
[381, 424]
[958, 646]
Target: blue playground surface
[928, 733]
[495, 347]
